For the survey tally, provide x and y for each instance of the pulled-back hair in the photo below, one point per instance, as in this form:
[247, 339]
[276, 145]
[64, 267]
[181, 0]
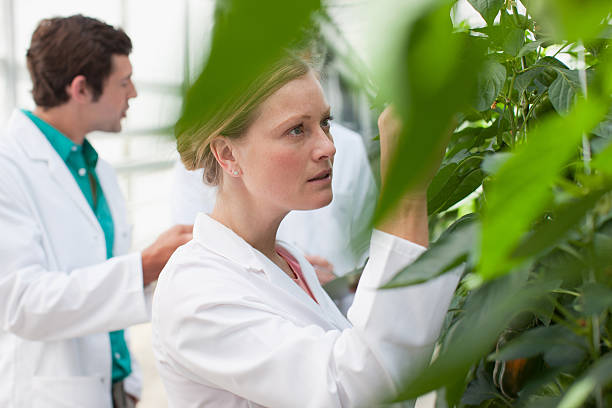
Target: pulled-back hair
[65, 47]
[234, 117]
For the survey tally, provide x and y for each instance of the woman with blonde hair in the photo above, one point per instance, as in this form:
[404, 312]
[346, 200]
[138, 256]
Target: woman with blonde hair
[239, 318]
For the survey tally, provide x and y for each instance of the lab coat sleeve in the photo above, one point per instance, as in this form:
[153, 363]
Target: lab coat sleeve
[42, 304]
[216, 331]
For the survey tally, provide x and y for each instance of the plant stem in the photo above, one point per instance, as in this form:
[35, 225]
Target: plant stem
[511, 110]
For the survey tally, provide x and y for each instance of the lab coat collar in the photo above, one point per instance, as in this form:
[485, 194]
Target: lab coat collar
[34, 143]
[24, 132]
[223, 241]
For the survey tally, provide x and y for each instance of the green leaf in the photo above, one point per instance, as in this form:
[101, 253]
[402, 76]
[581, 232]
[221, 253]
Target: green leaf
[598, 375]
[493, 162]
[435, 63]
[596, 298]
[604, 129]
[541, 401]
[461, 180]
[570, 19]
[490, 82]
[556, 226]
[513, 41]
[467, 186]
[480, 389]
[562, 92]
[541, 340]
[450, 250]
[521, 188]
[236, 59]
[488, 9]
[485, 315]
[529, 47]
[543, 71]
[440, 180]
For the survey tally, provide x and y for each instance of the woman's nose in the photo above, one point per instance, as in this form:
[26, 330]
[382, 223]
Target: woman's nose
[325, 146]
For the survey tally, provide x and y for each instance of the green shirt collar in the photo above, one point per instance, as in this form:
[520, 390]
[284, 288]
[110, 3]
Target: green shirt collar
[61, 144]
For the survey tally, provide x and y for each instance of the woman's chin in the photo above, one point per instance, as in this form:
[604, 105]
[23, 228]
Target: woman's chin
[319, 202]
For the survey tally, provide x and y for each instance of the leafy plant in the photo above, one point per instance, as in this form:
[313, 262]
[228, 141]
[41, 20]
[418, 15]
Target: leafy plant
[530, 325]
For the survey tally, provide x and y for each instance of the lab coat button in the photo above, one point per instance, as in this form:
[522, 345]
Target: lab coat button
[74, 148]
[117, 356]
[82, 172]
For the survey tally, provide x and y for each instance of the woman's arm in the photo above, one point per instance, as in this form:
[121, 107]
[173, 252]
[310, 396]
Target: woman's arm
[408, 219]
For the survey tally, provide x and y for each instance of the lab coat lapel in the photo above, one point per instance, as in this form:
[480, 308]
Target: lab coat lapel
[326, 305]
[37, 148]
[223, 241]
[279, 278]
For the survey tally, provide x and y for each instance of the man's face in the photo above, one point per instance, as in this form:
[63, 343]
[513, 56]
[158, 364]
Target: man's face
[117, 90]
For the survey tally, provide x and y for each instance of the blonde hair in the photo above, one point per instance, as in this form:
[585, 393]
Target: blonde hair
[234, 117]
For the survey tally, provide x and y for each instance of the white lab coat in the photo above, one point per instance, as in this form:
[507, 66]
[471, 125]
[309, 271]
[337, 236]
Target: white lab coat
[338, 232]
[231, 329]
[59, 296]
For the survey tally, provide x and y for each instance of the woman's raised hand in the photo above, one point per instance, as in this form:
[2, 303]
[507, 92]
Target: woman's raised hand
[408, 219]
[390, 127]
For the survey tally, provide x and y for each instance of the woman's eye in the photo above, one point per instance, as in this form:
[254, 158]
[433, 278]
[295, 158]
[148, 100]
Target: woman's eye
[325, 123]
[296, 131]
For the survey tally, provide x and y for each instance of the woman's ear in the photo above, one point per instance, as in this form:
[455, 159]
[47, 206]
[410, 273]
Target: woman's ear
[77, 89]
[224, 152]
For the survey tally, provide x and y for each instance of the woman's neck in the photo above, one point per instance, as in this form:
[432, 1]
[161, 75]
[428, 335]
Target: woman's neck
[256, 224]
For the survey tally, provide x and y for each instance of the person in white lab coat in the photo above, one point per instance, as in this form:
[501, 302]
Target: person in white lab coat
[239, 318]
[335, 238]
[68, 286]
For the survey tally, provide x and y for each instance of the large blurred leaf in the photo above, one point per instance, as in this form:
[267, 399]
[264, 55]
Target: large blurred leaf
[554, 228]
[247, 37]
[450, 250]
[490, 82]
[488, 9]
[522, 186]
[598, 375]
[435, 64]
[571, 19]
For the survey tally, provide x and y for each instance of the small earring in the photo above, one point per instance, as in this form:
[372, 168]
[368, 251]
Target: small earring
[235, 172]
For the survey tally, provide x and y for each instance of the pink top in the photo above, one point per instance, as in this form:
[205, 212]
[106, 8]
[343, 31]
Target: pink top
[295, 267]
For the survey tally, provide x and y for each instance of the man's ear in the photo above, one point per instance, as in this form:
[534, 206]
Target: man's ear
[224, 151]
[78, 90]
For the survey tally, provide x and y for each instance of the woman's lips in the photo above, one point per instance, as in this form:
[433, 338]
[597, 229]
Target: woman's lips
[322, 176]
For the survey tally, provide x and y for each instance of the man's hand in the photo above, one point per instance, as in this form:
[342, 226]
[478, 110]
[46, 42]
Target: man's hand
[324, 269]
[154, 257]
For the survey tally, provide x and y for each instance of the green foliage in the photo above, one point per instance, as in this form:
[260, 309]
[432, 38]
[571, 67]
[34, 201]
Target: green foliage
[448, 65]
[531, 322]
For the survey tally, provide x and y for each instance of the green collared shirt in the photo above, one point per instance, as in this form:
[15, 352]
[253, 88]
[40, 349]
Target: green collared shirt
[81, 161]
